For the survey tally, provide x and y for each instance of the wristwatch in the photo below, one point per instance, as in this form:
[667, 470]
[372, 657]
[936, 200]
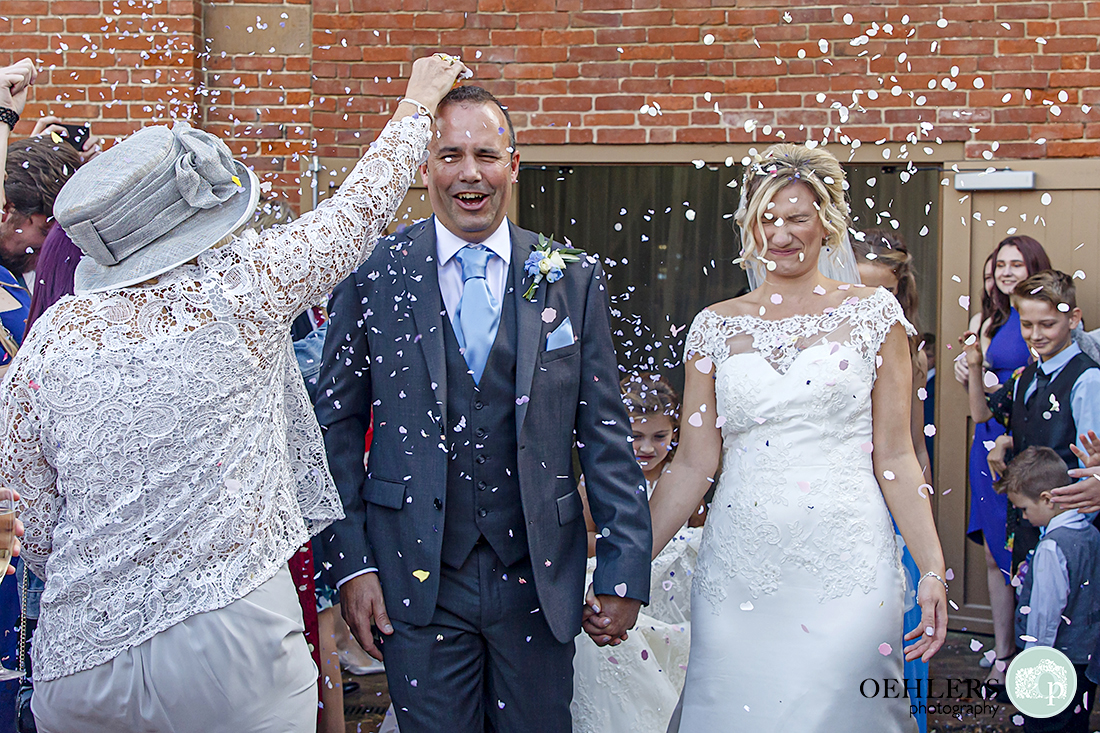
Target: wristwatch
[9, 117]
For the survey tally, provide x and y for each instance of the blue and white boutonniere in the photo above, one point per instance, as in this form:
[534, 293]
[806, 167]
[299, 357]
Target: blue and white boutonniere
[548, 263]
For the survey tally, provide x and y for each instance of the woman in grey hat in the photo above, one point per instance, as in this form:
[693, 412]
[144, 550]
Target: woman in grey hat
[163, 442]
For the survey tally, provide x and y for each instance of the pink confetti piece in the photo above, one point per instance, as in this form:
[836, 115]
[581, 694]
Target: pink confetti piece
[885, 649]
[776, 298]
[975, 645]
[950, 574]
[696, 420]
[843, 364]
[522, 400]
[667, 585]
[818, 290]
[33, 385]
[413, 683]
[804, 487]
[704, 365]
[720, 421]
[548, 563]
[645, 654]
[613, 660]
[845, 286]
[620, 590]
[868, 447]
[804, 628]
[964, 302]
[548, 315]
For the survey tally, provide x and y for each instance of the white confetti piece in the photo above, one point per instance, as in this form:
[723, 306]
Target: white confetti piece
[990, 380]
[888, 475]
[975, 645]
[708, 39]
[964, 302]
[929, 430]
[1045, 199]
[747, 606]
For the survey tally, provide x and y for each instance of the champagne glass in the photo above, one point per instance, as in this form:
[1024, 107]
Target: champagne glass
[7, 544]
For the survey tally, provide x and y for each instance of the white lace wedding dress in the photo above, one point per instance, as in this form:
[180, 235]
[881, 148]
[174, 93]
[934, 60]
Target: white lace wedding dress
[797, 597]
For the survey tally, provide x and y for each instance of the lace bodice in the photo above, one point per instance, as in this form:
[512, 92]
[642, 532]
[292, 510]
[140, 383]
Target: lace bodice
[161, 436]
[797, 487]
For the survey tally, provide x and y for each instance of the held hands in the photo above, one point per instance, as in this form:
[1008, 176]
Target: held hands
[362, 606]
[608, 618]
[432, 77]
[932, 599]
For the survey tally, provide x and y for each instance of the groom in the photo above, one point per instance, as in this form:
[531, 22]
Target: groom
[464, 542]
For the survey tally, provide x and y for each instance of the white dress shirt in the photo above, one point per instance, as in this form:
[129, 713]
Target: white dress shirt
[447, 244]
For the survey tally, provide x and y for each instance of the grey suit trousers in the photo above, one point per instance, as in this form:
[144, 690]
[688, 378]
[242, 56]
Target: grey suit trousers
[487, 662]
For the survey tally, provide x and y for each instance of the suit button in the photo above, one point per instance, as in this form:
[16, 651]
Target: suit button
[481, 432]
[482, 512]
[438, 503]
[481, 486]
[481, 459]
[478, 405]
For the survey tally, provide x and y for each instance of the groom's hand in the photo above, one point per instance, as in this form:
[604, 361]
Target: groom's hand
[608, 618]
[361, 604]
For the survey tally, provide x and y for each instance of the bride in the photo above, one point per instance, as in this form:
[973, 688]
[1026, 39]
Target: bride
[801, 391]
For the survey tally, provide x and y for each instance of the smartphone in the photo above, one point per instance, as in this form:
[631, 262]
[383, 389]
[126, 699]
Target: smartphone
[76, 135]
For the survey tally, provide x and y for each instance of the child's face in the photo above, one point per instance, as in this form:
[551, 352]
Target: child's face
[652, 436]
[1046, 329]
[1038, 513]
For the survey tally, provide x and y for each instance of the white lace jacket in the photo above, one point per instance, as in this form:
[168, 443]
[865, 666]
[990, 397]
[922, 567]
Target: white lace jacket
[161, 436]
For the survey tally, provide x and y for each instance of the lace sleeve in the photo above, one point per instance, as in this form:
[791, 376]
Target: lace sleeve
[705, 337]
[874, 316]
[23, 464]
[302, 261]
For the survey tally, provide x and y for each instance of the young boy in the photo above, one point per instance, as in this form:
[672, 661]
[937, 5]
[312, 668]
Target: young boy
[1054, 399]
[1058, 602]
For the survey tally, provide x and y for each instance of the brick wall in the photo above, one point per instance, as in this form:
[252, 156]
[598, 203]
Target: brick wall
[1009, 79]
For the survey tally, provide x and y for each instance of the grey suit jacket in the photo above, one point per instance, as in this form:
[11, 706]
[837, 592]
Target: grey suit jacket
[385, 350]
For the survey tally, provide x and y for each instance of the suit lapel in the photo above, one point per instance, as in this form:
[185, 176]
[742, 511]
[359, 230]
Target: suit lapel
[528, 322]
[422, 286]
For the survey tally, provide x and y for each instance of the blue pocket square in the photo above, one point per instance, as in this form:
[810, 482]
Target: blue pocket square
[561, 336]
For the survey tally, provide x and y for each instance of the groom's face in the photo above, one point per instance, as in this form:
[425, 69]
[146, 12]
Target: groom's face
[470, 169]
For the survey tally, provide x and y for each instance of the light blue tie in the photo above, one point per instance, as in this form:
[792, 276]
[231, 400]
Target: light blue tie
[478, 315]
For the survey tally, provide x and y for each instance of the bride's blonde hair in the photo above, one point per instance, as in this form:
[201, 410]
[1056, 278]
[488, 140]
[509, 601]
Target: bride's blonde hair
[778, 167]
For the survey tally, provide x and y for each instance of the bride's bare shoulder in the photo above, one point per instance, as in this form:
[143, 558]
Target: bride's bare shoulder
[741, 306]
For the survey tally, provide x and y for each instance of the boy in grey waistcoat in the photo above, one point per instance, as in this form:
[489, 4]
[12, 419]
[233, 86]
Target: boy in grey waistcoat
[1058, 601]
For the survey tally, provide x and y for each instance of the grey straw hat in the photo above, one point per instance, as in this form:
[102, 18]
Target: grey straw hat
[152, 203]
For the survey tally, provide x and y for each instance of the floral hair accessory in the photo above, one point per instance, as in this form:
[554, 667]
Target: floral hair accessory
[548, 263]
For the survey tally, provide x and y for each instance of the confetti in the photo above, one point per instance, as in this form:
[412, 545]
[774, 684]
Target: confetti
[776, 298]
[421, 575]
[747, 606]
[868, 447]
[548, 315]
[976, 645]
[696, 420]
[620, 590]
[885, 649]
[704, 365]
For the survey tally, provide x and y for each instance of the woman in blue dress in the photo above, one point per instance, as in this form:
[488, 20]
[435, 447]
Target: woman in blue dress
[1014, 259]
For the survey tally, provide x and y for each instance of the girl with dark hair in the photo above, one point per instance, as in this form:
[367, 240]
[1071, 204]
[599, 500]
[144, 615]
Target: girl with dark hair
[1004, 350]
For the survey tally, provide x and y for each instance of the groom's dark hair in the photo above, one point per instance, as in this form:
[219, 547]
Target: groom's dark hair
[478, 95]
